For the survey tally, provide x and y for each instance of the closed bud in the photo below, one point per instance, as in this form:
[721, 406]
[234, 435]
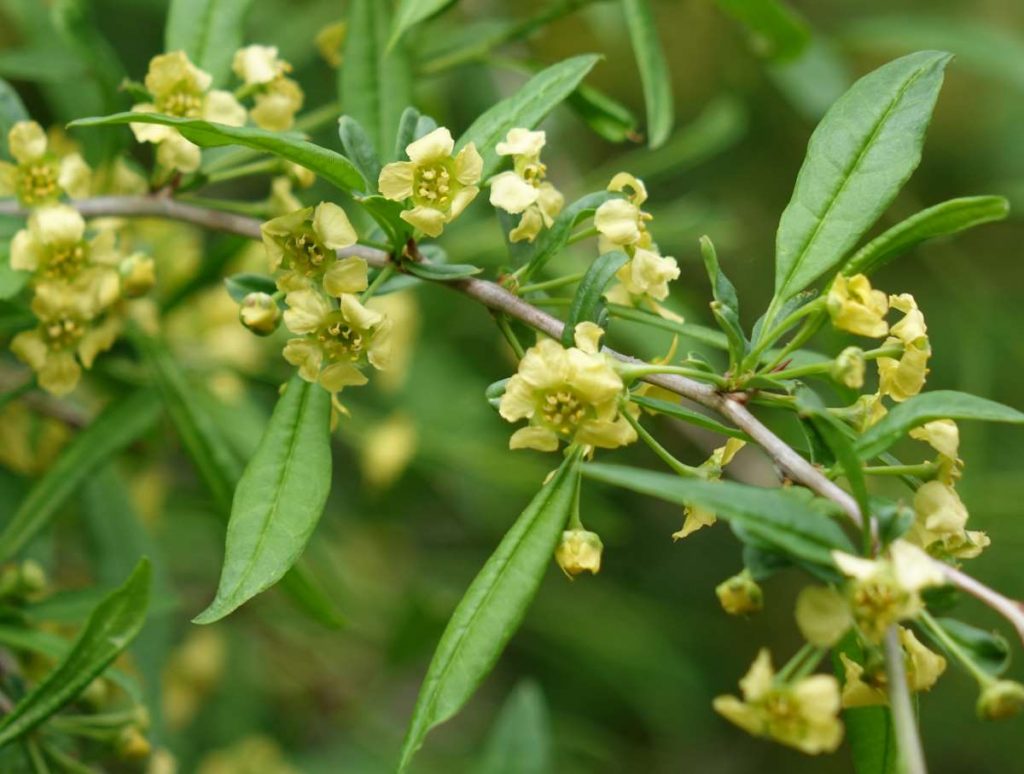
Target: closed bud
[138, 275]
[740, 595]
[96, 693]
[1001, 699]
[848, 368]
[33, 577]
[579, 551]
[132, 745]
[260, 313]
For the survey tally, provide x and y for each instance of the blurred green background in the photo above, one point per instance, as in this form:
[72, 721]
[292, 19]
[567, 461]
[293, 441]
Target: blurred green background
[626, 662]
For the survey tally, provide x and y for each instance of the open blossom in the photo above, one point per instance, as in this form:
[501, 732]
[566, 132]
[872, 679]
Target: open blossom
[568, 394]
[278, 98]
[38, 176]
[181, 89]
[620, 222]
[646, 273]
[695, 516]
[303, 245]
[866, 688]
[802, 713]
[855, 307]
[439, 185]
[524, 189]
[904, 378]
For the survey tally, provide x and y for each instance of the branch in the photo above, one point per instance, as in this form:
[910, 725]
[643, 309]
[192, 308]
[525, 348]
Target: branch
[497, 298]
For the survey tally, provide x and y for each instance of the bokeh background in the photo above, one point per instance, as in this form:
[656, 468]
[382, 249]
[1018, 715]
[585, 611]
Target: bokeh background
[609, 674]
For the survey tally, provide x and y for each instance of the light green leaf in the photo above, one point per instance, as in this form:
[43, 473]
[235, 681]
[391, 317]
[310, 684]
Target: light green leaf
[359, 148]
[492, 608]
[988, 649]
[858, 158]
[328, 164]
[776, 31]
[12, 110]
[375, 85]
[588, 302]
[938, 221]
[109, 630]
[441, 272]
[279, 500]
[789, 520]
[726, 306]
[526, 108]
[683, 414]
[520, 740]
[412, 12]
[121, 423]
[606, 116]
[209, 31]
[926, 407]
[654, 75]
[12, 281]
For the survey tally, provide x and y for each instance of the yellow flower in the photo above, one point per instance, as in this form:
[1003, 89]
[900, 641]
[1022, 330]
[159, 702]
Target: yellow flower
[39, 176]
[940, 523]
[259, 313]
[329, 41]
[904, 378]
[740, 594]
[697, 517]
[303, 244]
[524, 189]
[801, 714]
[579, 551]
[943, 435]
[386, 450]
[856, 308]
[567, 394]
[138, 275]
[259, 65]
[334, 342]
[276, 105]
[620, 222]
[1001, 699]
[867, 687]
[66, 327]
[647, 274]
[439, 185]
[181, 89]
[848, 368]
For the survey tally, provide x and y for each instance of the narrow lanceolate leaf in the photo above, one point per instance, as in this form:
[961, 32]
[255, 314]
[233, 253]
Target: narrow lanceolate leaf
[328, 164]
[776, 31]
[607, 117]
[279, 500]
[588, 303]
[12, 110]
[110, 629]
[241, 285]
[654, 77]
[683, 414]
[788, 520]
[941, 220]
[526, 108]
[520, 741]
[928, 406]
[359, 148]
[375, 85]
[858, 158]
[726, 305]
[412, 12]
[209, 31]
[120, 424]
[492, 608]
[442, 272]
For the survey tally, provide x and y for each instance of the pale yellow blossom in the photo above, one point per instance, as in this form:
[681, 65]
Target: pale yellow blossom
[303, 243]
[524, 190]
[855, 307]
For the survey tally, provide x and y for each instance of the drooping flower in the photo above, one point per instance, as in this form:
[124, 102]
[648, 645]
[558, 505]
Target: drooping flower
[740, 594]
[647, 273]
[303, 244]
[439, 185]
[278, 98]
[567, 394]
[620, 222]
[181, 89]
[803, 714]
[868, 687]
[38, 177]
[940, 523]
[855, 307]
[904, 378]
[524, 189]
[695, 516]
[579, 551]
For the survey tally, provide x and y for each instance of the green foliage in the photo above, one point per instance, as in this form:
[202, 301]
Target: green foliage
[776, 31]
[520, 741]
[208, 31]
[588, 303]
[12, 110]
[650, 60]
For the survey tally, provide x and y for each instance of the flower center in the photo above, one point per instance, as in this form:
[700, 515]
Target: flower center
[62, 333]
[785, 720]
[65, 261]
[434, 186]
[562, 411]
[876, 604]
[184, 104]
[308, 256]
[340, 341]
[38, 182]
[534, 173]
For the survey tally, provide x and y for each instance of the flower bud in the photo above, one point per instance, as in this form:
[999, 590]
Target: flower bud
[33, 577]
[96, 693]
[848, 368]
[740, 595]
[1001, 699]
[138, 275]
[260, 313]
[132, 745]
[579, 551]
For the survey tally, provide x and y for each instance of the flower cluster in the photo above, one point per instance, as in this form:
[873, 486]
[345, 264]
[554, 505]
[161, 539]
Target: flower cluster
[524, 190]
[40, 176]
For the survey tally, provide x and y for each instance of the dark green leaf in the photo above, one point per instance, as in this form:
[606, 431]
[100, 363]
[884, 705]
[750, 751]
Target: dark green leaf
[552, 240]
[680, 412]
[654, 76]
[858, 158]
[526, 108]
[406, 132]
[12, 110]
[441, 272]
[109, 630]
[726, 306]
[387, 214]
[928, 406]
[588, 303]
[412, 12]
[608, 117]
[787, 520]
[11, 281]
[869, 730]
[121, 423]
[328, 164]
[520, 741]
[776, 31]
[359, 148]
[941, 220]
[209, 31]
[492, 608]
[241, 285]
[989, 650]
[279, 499]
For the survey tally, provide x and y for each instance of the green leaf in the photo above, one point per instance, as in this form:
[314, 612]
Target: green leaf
[726, 306]
[412, 12]
[683, 414]
[388, 215]
[588, 303]
[552, 240]
[359, 148]
[109, 630]
[12, 110]
[776, 31]
[12, 281]
[941, 220]
[526, 108]
[869, 730]
[209, 31]
[858, 158]
[784, 519]
[441, 272]
[328, 164]
[121, 423]
[926, 407]
[607, 117]
[241, 285]
[375, 85]
[492, 608]
[654, 75]
[989, 650]
[520, 740]
[279, 499]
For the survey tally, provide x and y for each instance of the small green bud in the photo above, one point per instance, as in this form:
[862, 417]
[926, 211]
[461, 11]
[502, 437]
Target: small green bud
[848, 368]
[33, 577]
[579, 551]
[740, 595]
[138, 275]
[1001, 699]
[132, 745]
[260, 313]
